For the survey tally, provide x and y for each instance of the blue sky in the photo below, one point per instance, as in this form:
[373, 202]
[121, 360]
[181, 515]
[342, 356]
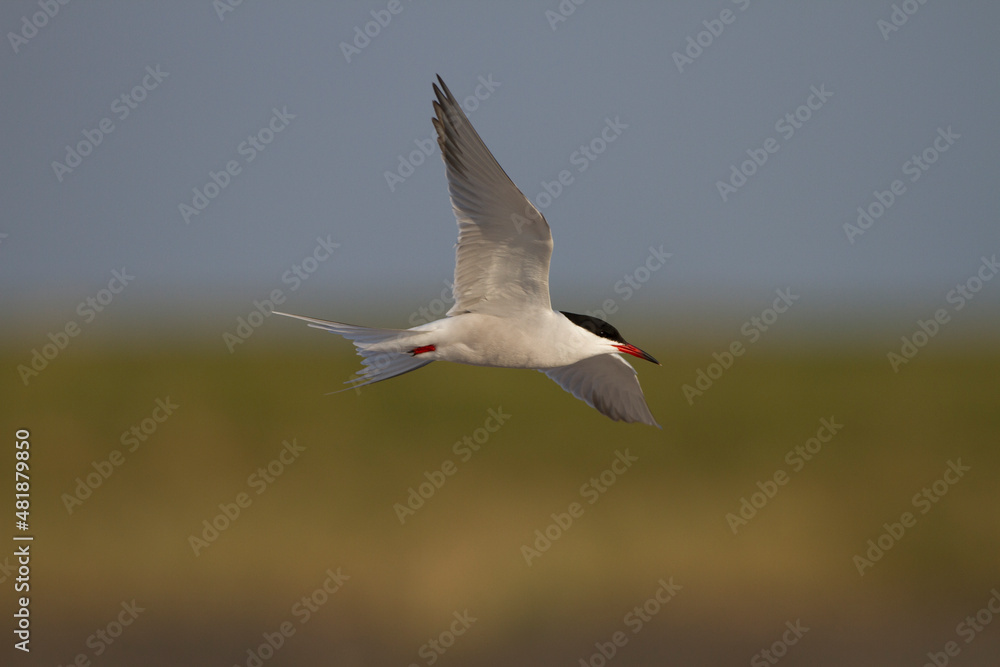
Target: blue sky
[739, 137]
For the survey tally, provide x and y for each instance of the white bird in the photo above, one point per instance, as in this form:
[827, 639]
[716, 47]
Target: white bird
[502, 314]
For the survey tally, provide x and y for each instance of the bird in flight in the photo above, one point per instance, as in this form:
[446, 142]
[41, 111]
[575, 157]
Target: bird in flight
[502, 314]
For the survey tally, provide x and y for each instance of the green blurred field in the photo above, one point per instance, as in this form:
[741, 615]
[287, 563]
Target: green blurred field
[333, 507]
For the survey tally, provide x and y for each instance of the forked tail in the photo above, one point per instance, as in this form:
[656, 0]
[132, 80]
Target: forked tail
[387, 352]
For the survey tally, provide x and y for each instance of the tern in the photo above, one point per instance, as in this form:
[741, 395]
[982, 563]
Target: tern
[502, 315]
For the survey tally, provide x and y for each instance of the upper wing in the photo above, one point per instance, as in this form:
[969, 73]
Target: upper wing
[504, 243]
[608, 383]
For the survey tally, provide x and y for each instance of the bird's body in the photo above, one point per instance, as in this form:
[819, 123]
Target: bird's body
[502, 315]
[479, 339]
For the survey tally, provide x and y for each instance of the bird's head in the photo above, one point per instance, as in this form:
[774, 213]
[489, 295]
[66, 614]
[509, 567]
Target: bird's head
[607, 336]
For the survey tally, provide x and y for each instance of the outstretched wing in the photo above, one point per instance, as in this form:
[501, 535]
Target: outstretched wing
[607, 383]
[504, 243]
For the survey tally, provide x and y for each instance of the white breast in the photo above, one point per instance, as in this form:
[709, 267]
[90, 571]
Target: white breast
[538, 339]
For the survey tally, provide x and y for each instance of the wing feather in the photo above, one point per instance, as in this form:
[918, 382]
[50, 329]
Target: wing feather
[608, 384]
[504, 243]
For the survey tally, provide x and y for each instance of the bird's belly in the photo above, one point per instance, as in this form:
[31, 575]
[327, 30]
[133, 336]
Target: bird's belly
[483, 341]
[482, 353]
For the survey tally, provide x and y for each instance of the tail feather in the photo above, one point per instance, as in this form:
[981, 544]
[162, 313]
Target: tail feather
[386, 352]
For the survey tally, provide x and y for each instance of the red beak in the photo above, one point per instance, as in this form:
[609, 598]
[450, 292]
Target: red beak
[628, 348]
